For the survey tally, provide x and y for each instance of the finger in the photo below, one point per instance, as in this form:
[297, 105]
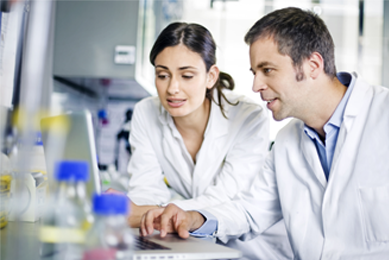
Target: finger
[147, 222]
[182, 229]
[182, 224]
[166, 218]
[142, 229]
[112, 191]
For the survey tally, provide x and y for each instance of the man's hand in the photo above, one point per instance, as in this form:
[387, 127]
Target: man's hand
[171, 219]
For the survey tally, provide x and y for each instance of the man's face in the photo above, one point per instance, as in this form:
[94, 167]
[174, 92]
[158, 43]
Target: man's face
[275, 79]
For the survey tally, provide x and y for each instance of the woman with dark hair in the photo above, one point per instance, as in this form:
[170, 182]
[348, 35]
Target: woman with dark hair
[197, 137]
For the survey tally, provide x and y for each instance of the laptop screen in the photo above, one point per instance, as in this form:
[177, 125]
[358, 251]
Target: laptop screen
[70, 136]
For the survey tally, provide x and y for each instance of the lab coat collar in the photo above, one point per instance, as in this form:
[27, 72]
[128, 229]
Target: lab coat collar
[217, 127]
[309, 150]
[217, 124]
[163, 115]
[359, 99]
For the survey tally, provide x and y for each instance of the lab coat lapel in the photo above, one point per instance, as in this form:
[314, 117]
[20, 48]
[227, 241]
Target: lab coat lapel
[358, 102]
[210, 150]
[171, 147]
[308, 148]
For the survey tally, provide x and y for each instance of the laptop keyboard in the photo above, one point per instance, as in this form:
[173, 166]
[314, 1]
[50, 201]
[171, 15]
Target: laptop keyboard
[142, 243]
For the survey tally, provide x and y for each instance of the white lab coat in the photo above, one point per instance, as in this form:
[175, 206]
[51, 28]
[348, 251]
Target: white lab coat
[346, 218]
[231, 154]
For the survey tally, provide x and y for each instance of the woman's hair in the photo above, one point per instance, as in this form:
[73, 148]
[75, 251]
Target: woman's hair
[197, 39]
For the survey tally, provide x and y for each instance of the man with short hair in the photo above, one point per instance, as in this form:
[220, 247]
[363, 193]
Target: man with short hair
[328, 172]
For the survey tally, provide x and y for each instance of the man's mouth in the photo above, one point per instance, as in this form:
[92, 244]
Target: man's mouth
[270, 103]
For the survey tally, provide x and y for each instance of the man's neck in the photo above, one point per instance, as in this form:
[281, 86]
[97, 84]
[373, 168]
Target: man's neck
[326, 103]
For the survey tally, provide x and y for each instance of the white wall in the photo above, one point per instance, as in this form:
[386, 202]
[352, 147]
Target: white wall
[229, 21]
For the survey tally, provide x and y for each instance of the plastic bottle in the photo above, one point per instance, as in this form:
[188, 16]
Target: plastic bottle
[37, 156]
[68, 215]
[5, 185]
[29, 181]
[110, 237]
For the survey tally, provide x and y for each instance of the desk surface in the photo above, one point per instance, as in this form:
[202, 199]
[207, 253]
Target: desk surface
[19, 241]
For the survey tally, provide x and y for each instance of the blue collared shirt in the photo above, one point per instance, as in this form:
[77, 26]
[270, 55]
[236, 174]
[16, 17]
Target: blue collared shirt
[331, 128]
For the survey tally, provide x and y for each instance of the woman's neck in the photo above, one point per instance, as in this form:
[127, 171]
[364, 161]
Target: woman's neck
[196, 122]
[192, 127]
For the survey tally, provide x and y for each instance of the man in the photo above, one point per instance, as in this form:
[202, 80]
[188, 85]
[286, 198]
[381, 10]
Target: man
[328, 172]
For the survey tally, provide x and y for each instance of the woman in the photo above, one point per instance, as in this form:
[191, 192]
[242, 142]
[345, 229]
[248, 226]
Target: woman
[205, 141]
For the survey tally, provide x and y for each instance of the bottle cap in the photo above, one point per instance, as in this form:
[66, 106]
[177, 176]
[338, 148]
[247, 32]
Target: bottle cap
[72, 171]
[38, 139]
[110, 204]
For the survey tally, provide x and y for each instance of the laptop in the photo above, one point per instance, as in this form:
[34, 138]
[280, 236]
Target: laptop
[71, 136]
[174, 247]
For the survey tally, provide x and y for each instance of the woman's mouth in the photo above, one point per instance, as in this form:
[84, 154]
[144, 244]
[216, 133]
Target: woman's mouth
[176, 102]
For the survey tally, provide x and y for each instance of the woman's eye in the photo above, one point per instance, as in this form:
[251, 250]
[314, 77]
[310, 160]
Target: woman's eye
[162, 76]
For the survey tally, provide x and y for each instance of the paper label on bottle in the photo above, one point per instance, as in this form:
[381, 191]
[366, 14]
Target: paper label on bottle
[52, 234]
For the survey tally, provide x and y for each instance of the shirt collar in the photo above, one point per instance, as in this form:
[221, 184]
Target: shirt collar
[336, 119]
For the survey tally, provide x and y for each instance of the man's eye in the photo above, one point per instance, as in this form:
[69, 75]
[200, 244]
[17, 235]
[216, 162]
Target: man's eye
[187, 76]
[267, 70]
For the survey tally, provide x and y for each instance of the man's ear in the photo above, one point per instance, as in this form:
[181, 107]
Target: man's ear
[316, 65]
[213, 76]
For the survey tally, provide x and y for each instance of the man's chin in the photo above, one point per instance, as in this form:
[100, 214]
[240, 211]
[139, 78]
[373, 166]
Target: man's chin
[278, 117]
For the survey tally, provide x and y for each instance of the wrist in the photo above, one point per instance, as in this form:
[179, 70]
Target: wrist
[197, 220]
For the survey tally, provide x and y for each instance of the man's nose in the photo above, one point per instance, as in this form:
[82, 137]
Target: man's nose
[259, 84]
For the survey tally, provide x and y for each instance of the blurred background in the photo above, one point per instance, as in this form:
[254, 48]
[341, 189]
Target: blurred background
[72, 56]
[94, 54]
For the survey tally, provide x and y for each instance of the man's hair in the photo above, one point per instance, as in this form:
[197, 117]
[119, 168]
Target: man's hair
[297, 34]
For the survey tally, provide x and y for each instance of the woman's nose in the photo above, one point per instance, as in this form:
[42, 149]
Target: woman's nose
[174, 86]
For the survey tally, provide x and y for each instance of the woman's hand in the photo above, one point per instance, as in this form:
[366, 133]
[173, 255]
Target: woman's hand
[171, 219]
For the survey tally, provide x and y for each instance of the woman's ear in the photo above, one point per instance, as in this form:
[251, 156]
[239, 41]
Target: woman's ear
[213, 76]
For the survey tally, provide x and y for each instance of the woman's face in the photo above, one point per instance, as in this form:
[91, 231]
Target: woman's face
[182, 80]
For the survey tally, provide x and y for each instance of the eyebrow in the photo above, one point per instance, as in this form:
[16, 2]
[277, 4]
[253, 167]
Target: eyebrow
[263, 64]
[181, 68]
[160, 66]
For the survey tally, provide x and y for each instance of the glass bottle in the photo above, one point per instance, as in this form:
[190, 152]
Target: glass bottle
[110, 237]
[68, 213]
